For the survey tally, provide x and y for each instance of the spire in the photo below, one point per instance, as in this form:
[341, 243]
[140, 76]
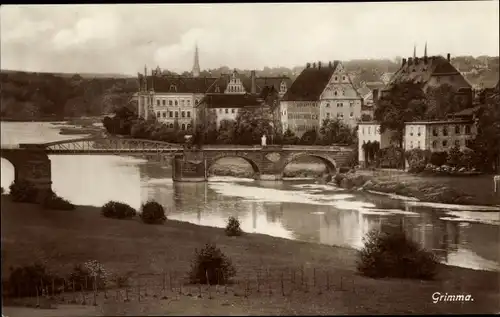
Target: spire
[414, 51]
[425, 49]
[145, 77]
[196, 66]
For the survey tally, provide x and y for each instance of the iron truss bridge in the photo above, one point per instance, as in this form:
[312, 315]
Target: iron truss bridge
[105, 146]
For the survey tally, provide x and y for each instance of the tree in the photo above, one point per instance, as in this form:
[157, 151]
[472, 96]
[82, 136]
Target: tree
[335, 131]
[454, 157]
[488, 140]
[290, 138]
[309, 137]
[226, 132]
[251, 124]
[404, 102]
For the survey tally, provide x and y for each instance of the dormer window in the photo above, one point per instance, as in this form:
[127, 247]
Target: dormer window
[336, 78]
[283, 87]
[173, 88]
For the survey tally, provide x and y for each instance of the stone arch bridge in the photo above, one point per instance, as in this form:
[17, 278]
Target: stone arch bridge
[31, 161]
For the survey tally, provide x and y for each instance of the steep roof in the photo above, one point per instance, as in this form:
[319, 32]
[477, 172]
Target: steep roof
[469, 112]
[275, 82]
[179, 84]
[246, 81]
[421, 71]
[310, 83]
[231, 101]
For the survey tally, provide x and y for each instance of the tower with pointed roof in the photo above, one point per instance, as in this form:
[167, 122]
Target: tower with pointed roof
[196, 65]
[425, 50]
[414, 51]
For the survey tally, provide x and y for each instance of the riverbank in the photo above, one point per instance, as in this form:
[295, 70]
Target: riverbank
[466, 190]
[62, 239]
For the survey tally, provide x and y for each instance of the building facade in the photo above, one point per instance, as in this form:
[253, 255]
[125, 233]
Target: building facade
[320, 92]
[370, 132]
[439, 136]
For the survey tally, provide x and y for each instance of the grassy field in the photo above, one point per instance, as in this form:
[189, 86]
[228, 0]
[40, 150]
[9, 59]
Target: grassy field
[62, 239]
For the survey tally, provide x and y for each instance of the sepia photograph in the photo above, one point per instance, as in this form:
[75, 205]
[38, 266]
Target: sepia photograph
[217, 159]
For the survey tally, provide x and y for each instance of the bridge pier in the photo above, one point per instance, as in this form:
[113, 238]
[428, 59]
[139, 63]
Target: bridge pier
[270, 177]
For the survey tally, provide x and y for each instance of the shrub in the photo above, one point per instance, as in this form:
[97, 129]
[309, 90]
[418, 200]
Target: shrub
[344, 169]
[23, 191]
[87, 276]
[393, 254]
[27, 280]
[391, 157]
[153, 213]
[2, 190]
[212, 263]
[54, 202]
[338, 179]
[117, 210]
[454, 157]
[438, 158]
[233, 227]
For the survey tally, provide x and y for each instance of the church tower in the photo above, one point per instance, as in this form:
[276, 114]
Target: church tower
[196, 66]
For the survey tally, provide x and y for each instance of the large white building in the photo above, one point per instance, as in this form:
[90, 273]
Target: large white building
[370, 132]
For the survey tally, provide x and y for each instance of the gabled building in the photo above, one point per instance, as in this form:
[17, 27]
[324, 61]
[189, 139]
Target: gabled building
[320, 92]
[431, 72]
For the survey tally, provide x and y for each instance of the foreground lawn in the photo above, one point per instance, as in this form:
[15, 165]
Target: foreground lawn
[64, 238]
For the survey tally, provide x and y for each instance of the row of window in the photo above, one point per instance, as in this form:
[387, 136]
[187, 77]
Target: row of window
[304, 127]
[305, 105]
[444, 143]
[340, 115]
[182, 102]
[226, 110]
[173, 114]
[235, 88]
[304, 116]
[340, 104]
[466, 129]
[183, 126]
[369, 130]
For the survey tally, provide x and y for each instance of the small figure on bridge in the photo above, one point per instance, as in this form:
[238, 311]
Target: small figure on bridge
[263, 140]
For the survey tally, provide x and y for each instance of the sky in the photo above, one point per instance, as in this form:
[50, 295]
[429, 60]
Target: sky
[123, 38]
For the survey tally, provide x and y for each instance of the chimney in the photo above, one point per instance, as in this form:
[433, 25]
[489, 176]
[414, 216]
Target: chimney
[319, 65]
[375, 95]
[404, 62]
[252, 77]
[410, 60]
[330, 64]
[448, 57]
[308, 65]
[416, 60]
[314, 65]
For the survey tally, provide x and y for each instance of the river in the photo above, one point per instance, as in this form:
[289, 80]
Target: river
[292, 209]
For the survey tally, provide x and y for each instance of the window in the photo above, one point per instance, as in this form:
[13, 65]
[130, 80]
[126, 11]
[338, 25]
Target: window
[182, 102]
[232, 110]
[189, 114]
[328, 105]
[217, 89]
[445, 131]
[434, 144]
[445, 143]
[457, 142]
[220, 110]
[418, 131]
[164, 114]
[176, 103]
[164, 102]
[369, 130]
[351, 114]
[171, 126]
[173, 88]
[197, 101]
[457, 129]
[411, 144]
[351, 104]
[467, 129]
[336, 78]
[418, 144]
[170, 114]
[183, 126]
[183, 114]
[340, 115]
[170, 102]
[189, 102]
[343, 77]
[328, 115]
[158, 102]
[177, 114]
[335, 93]
[227, 110]
[434, 131]
[158, 114]
[363, 130]
[411, 131]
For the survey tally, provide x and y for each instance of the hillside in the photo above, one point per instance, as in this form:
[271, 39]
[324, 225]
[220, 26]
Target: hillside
[42, 96]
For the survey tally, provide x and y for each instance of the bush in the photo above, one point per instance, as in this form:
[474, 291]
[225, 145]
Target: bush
[87, 276]
[417, 160]
[454, 157]
[338, 179]
[393, 254]
[212, 263]
[391, 157]
[54, 202]
[438, 158]
[23, 191]
[25, 281]
[2, 190]
[153, 213]
[117, 210]
[233, 227]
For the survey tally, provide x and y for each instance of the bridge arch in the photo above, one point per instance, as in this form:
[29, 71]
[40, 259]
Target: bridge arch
[211, 161]
[331, 164]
